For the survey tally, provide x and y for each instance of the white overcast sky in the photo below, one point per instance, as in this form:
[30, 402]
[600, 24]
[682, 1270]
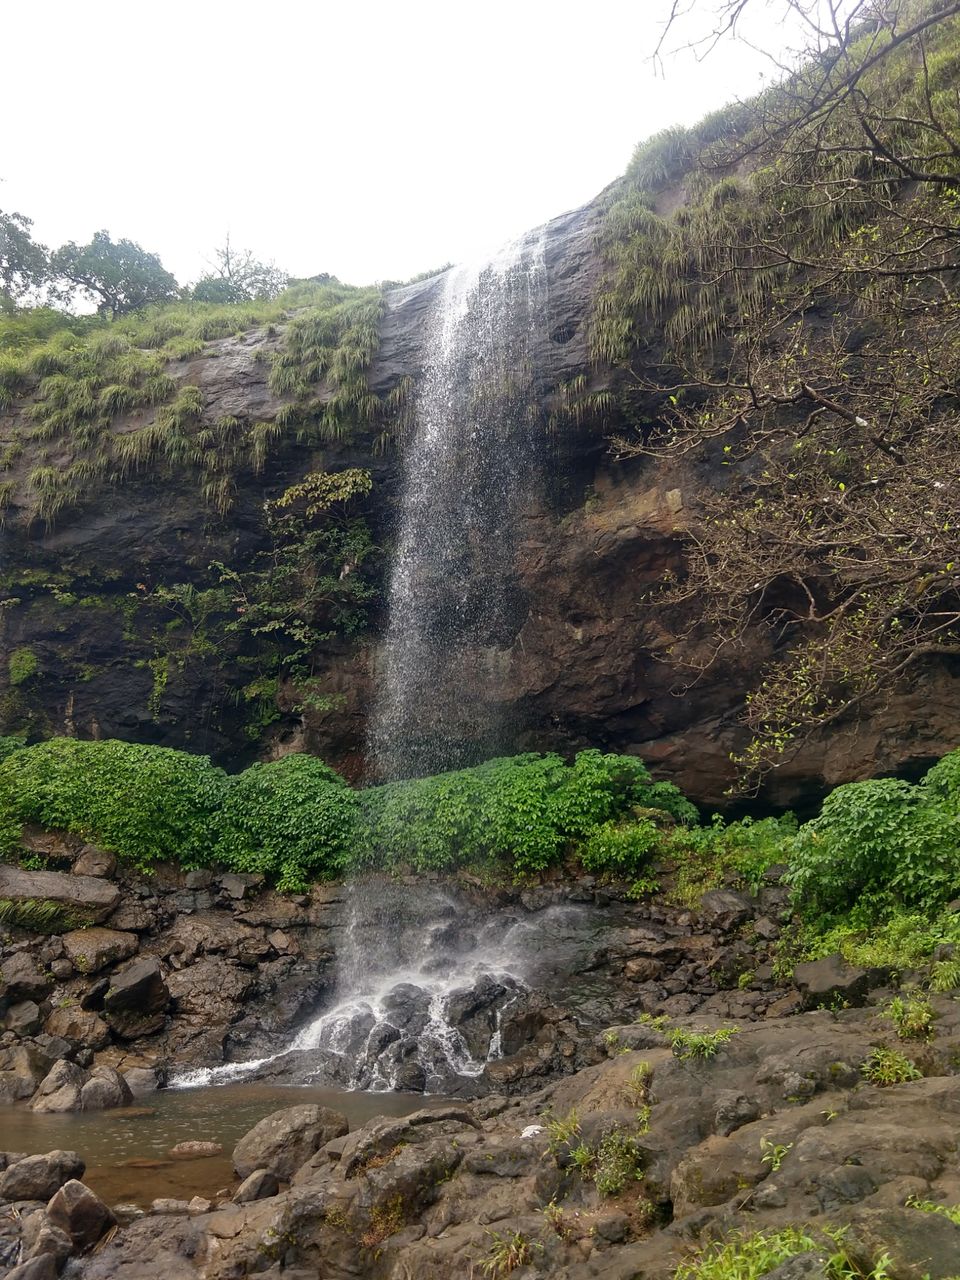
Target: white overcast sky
[368, 139]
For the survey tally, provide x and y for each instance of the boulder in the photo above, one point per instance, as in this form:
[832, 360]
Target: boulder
[23, 979]
[60, 1088]
[137, 998]
[106, 1088]
[42, 1267]
[80, 1214]
[725, 909]
[79, 1026]
[82, 897]
[829, 982]
[141, 1081]
[90, 950]
[95, 862]
[24, 1019]
[285, 1140]
[213, 989]
[40, 1177]
[259, 1185]
[22, 1067]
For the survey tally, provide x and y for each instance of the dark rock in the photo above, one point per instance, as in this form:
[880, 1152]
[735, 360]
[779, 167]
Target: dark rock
[90, 950]
[95, 994]
[43, 1267]
[846, 1184]
[86, 896]
[830, 981]
[22, 1067]
[137, 998]
[22, 977]
[141, 1081]
[25, 1018]
[734, 1110]
[79, 1026]
[40, 1177]
[80, 1214]
[805, 1266]
[95, 862]
[285, 1140]
[106, 1088]
[725, 909]
[612, 1226]
[259, 1185]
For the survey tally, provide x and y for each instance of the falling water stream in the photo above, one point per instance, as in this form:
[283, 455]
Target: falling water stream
[420, 1000]
[470, 471]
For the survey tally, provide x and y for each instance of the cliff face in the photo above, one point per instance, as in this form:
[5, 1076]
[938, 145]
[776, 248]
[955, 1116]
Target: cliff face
[593, 662]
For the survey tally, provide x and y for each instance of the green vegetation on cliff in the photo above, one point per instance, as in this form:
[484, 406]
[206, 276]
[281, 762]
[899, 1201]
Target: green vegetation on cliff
[780, 284]
[102, 404]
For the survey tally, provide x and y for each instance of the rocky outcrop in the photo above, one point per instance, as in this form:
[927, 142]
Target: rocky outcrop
[591, 662]
[625, 1168]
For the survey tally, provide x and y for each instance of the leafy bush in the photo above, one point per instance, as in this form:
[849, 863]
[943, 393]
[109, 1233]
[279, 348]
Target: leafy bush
[10, 744]
[619, 849]
[709, 857]
[145, 803]
[889, 1066]
[878, 844]
[525, 809]
[295, 820]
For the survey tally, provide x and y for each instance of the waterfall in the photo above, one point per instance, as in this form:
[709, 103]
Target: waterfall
[470, 470]
[421, 994]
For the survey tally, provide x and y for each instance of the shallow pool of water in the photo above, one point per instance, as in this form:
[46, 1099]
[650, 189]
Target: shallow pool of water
[127, 1150]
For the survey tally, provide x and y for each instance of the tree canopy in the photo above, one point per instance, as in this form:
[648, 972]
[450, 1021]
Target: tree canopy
[119, 276]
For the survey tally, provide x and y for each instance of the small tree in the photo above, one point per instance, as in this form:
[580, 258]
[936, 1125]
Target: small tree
[23, 262]
[119, 275]
[239, 277]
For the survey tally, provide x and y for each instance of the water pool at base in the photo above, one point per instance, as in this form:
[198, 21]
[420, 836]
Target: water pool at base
[126, 1151]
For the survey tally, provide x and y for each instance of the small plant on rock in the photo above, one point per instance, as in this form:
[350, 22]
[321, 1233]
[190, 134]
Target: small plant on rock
[951, 1211]
[561, 1131]
[945, 975]
[773, 1153]
[703, 1045]
[557, 1219]
[617, 1162]
[912, 1016]
[507, 1253]
[637, 1088]
[889, 1066]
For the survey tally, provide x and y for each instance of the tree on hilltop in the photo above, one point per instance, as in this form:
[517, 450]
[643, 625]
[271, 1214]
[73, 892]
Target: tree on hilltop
[119, 276]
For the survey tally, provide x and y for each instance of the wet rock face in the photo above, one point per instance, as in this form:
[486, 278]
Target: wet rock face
[587, 662]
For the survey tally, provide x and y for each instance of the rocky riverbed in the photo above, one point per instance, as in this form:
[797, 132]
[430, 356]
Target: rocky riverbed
[567, 999]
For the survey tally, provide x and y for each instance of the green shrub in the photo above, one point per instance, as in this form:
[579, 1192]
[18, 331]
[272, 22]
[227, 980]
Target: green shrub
[879, 845]
[10, 744]
[526, 810]
[294, 819]
[145, 803]
[617, 1162]
[21, 665]
[886, 1066]
[619, 850]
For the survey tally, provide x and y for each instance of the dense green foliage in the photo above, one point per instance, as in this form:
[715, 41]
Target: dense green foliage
[526, 809]
[872, 875]
[146, 803]
[877, 844]
[294, 819]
